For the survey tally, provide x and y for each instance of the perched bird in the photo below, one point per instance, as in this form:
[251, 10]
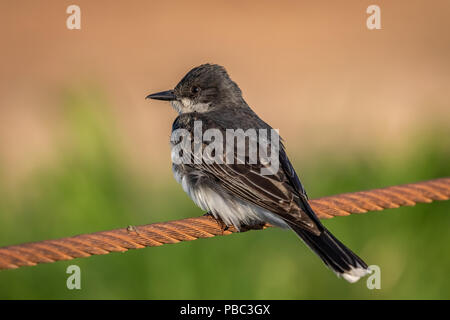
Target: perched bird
[236, 192]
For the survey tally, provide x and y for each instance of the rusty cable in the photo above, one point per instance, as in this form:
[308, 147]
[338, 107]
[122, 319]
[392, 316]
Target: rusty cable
[157, 234]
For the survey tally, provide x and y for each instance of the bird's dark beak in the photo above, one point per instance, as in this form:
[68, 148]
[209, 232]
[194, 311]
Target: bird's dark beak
[164, 95]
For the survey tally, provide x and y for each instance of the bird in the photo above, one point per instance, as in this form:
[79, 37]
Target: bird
[235, 192]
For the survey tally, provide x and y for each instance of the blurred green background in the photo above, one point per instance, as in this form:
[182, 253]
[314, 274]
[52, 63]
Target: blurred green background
[90, 189]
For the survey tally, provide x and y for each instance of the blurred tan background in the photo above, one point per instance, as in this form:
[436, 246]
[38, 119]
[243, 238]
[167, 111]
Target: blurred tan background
[311, 69]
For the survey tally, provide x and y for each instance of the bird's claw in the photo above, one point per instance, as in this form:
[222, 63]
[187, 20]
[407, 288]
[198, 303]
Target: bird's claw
[219, 221]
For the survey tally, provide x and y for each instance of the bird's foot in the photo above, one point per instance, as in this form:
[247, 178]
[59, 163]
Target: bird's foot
[132, 229]
[219, 221]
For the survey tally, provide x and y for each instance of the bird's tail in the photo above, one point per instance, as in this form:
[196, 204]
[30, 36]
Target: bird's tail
[334, 254]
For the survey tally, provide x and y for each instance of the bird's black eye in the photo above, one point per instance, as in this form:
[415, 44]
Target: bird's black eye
[195, 89]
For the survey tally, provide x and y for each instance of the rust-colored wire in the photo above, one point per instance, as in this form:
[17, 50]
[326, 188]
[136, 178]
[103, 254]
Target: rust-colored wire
[157, 234]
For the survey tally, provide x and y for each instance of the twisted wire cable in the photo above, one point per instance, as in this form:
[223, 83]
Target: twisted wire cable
[157, 234]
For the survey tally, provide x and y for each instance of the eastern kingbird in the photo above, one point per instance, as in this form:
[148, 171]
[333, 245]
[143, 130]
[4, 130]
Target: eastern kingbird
[236, 192]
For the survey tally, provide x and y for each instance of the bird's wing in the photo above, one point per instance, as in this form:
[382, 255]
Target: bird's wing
[291, 175]
[290, 172]
[280, 193]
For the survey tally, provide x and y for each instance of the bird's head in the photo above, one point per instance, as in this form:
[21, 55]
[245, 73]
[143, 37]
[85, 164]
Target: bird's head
[202, 89]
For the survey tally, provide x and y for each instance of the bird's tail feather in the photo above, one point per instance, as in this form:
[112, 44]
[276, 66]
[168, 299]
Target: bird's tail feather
[334, 254]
